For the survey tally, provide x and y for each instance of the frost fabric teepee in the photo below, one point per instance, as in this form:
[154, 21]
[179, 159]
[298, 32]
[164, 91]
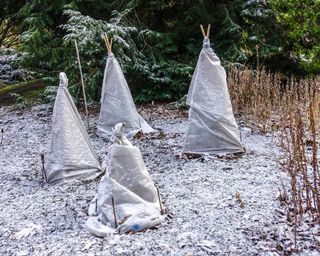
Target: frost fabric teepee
[211, 126]
[117, 105]
[70, 156]
[127, 199]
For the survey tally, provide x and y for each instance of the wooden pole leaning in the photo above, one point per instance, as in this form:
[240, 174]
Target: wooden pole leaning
[205, 33]
[82, 83]
[108, 43]
[111, 41]
[208, 30]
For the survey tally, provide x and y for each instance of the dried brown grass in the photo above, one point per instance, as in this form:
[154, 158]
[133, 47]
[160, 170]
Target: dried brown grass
[263, 98]
[290, 106]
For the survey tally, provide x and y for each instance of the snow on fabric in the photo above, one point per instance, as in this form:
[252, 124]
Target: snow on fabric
[211, 127]
[135, 196]
[117, 105]
[70, 155]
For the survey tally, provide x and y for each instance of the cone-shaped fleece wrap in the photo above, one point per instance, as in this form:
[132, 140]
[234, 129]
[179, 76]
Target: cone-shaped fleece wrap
[70, 155]
[212, 128]
[117, 105]
[127, 181]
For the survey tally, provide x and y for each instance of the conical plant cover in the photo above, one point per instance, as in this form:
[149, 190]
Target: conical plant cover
[70, 155]
[212, 128]
[127, 182]
[117, 105]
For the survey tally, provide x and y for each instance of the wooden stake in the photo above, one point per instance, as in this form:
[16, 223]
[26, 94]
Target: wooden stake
[106, 42]
[110, 46]
[202, 29]
[2, 131]
[114, 213]
[107, 38]
[82, 83]
[96, 210]
[43, 171]
[208, 30]
[160, 204]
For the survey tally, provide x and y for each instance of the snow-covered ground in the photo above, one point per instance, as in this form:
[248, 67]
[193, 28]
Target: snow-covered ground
[220, 206]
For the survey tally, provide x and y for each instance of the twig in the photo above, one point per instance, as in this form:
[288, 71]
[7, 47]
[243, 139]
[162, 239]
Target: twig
[160, 204]
[82, 83]
[43, 171]
[114, 213]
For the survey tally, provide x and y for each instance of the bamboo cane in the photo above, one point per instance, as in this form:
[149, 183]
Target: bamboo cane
[208, 30]
[110, 46]
[108, 43]
[82, 83]
[106, 38]
[202, 29]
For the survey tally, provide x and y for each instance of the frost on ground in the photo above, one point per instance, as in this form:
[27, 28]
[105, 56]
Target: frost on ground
[221, 206]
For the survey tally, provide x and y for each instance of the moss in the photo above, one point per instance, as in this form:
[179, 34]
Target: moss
[21, 87]
[17, 87]
[29, 90]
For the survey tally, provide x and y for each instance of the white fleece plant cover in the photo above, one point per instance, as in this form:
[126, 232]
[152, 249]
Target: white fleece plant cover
[127, 181]
[70, 156]
[212, 128]
[117, 105]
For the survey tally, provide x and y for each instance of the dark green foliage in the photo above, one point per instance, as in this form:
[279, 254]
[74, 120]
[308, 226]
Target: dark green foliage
[157, 42]
[165, 81]
[42, 38]
[300, 21]
[10, 22]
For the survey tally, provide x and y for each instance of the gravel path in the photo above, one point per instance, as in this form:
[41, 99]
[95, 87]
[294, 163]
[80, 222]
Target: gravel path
[221, 206]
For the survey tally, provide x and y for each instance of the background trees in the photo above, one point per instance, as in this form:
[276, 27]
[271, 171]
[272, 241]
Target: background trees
[158, 41]
[10, 22]
[299, 21]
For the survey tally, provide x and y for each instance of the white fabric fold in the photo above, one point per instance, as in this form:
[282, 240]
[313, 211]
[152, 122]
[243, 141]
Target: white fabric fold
[70, 155]
[117, 105]
[211, 126]
[127, 181]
